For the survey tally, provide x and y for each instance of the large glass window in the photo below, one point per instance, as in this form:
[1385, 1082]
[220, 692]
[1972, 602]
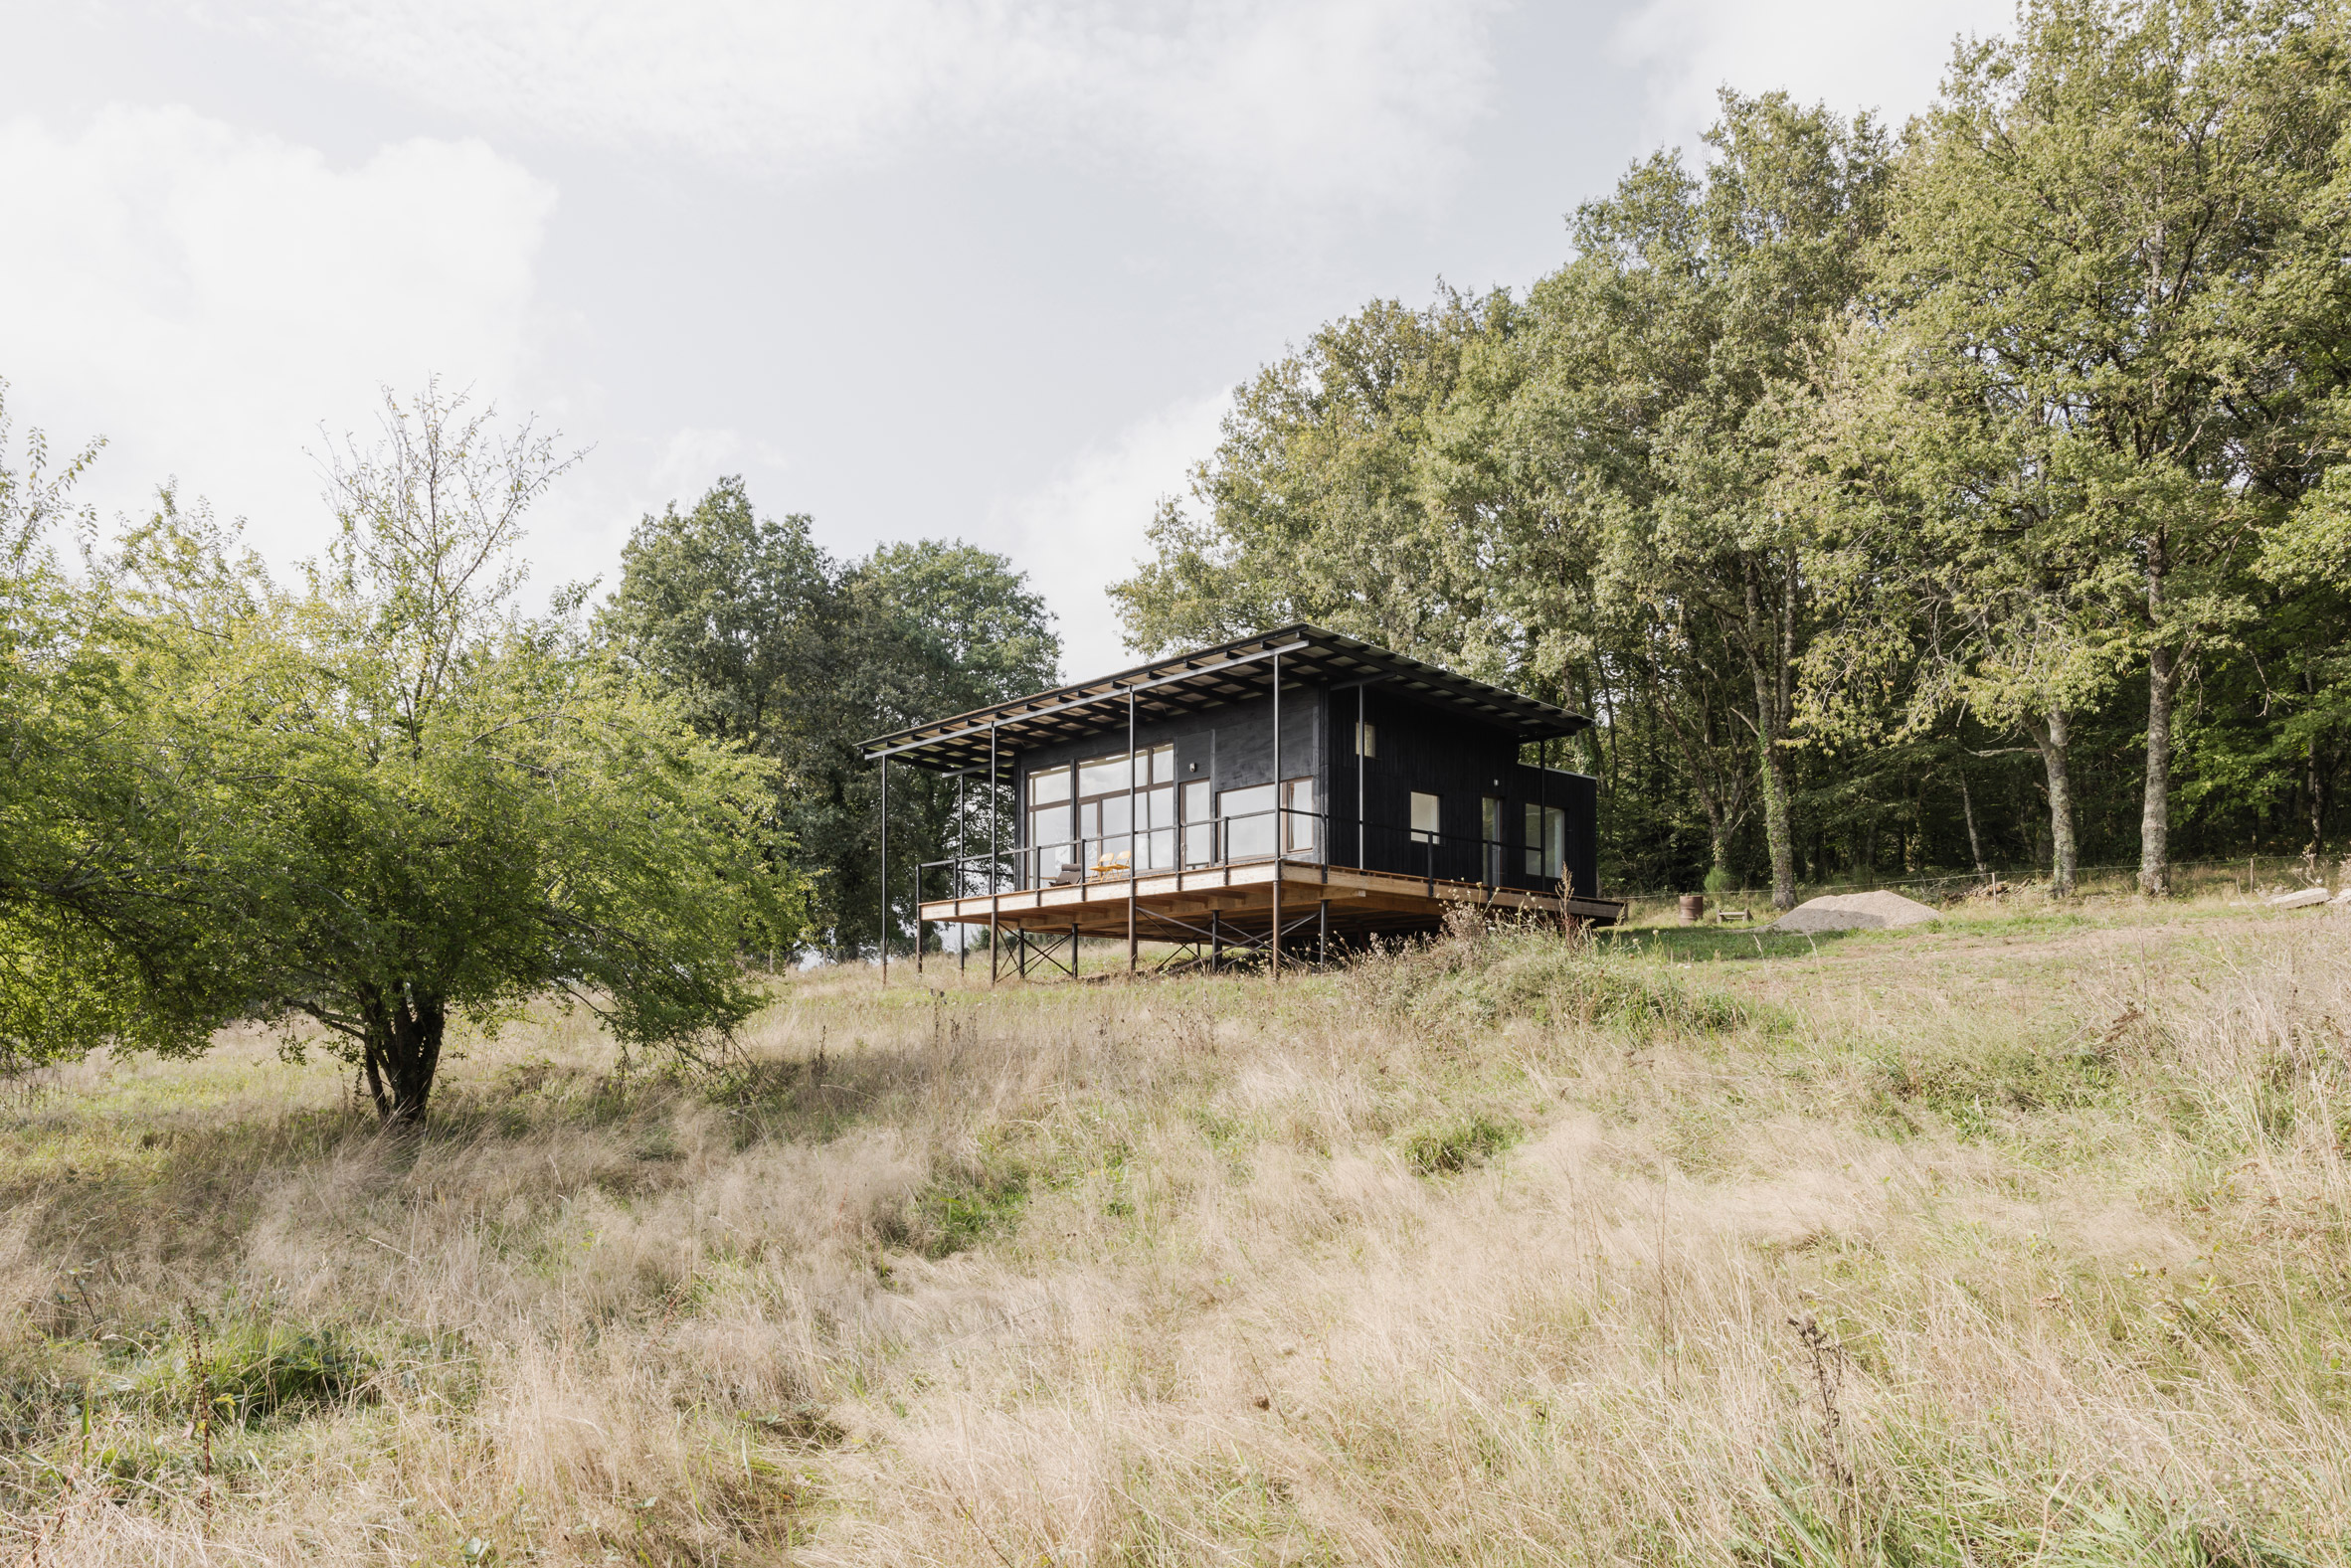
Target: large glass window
[1245, 818]
[1109, 840]
[1547, 841]
[1424, 817]
[1489, 832]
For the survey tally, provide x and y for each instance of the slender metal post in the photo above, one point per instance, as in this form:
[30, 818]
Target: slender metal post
[963, 857]
[1215, 943]
[1280, 817]
[1363, 746]
[920, 937]
[995, 866]
[1134, 838]
[885, 871]
[1322, 935]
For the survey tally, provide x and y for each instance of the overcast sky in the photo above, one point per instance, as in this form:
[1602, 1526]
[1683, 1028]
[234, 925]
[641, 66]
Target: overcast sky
[983, 268]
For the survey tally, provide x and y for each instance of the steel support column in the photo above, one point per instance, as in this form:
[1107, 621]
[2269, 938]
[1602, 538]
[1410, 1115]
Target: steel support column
[1362, 749]
[1134, 838]
[994, 865]
[1280, 817]
[962, 846]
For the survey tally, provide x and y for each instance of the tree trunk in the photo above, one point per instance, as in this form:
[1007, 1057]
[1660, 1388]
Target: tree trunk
[1975, 845]
[2048, 735]
[402, 1050]
[2162, 669]
[2317, 792]
[2155, 818]
[1771, 655]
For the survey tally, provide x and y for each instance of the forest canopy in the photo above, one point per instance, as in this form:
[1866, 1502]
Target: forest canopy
[1960, 497]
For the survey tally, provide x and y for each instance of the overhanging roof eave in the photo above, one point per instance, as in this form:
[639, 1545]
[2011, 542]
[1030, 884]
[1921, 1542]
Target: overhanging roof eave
[1207, 678]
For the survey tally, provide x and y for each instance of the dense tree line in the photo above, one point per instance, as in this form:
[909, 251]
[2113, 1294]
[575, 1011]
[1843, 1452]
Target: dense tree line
[1968, 496]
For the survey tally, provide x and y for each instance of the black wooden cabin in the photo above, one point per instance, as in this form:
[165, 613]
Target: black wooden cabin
[1187, 799]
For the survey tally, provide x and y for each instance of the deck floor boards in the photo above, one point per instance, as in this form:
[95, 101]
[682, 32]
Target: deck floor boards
[1170, 905]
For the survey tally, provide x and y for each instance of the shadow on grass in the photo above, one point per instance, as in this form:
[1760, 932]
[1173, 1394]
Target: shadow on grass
[101, 1190]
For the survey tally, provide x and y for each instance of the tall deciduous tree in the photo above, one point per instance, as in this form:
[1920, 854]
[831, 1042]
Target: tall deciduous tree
[799, 657]
[1673, 363]
[1316, 505]
[2095, 219]
[1947, 568]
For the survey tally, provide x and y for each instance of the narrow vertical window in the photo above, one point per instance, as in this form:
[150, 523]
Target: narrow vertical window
[1424, 817]
[1547, 841]
[1302, 824]
[1049, 845]
[1367, 738]
[1199, 827]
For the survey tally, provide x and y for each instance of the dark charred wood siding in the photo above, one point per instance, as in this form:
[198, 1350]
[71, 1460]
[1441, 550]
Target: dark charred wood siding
[1368, 806]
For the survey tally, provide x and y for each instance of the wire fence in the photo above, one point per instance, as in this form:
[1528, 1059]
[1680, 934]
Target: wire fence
[2248, 876]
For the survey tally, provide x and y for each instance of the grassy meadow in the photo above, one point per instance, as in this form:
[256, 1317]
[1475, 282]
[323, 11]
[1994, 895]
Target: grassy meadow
[2017, 1239]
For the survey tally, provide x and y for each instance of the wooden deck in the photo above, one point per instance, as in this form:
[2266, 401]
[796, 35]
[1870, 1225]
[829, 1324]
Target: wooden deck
[1236, 904]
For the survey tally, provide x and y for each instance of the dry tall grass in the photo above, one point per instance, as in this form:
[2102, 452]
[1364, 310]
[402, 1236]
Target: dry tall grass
[2022, 1240]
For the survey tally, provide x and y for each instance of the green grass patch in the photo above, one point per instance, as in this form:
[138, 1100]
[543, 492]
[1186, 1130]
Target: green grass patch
[1455, 1146]
[962, 1209]
[1712, 944]
[1554, 981]
[249, 1370]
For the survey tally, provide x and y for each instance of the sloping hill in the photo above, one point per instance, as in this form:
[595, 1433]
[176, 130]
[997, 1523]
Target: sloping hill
[2010, 1240]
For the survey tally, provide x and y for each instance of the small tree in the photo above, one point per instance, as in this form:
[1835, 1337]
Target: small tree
[389, 798]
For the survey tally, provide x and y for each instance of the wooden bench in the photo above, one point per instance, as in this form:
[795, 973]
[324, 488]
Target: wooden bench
[1723, 917]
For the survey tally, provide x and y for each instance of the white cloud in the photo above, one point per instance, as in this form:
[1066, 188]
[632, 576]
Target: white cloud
[1085, 527]
[1353, 101]
[206, 298]
[1849, 54]
[692, 456]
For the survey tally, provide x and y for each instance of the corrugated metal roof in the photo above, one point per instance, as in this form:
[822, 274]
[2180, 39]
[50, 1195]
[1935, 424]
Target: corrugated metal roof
[1209, 678]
